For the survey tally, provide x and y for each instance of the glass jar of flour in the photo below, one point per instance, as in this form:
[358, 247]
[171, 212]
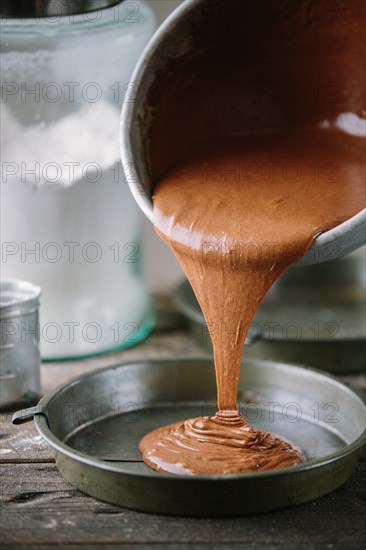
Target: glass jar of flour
[69, 223]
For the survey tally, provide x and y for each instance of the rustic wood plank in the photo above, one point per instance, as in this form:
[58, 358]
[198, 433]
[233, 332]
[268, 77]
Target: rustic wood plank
[185, 546]
[22, 443]
[41, 508]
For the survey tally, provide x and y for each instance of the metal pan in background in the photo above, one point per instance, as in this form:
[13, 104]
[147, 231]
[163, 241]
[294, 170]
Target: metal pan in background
[95, 422]
[314, 315]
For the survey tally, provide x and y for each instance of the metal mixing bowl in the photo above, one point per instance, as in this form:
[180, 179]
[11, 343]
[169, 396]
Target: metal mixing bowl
[172, 44]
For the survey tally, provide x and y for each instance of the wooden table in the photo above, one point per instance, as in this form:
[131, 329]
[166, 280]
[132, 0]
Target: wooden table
[41, 510]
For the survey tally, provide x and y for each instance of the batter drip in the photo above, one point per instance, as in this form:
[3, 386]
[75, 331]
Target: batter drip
[236, 214]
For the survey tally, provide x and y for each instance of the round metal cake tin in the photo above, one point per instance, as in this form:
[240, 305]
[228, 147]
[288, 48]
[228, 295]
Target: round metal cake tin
[95, 422]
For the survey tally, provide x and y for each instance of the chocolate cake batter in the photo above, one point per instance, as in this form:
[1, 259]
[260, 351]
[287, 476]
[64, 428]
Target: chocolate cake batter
[236, 214]
[251, 166]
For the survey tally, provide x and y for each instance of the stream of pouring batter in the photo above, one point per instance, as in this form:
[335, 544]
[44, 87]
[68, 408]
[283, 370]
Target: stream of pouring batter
[236, 214]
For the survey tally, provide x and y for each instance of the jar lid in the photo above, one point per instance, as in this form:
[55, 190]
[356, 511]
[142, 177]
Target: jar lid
[51, 8]
[18, 298]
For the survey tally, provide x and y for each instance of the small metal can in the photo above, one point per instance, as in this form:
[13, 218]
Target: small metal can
[19, 343]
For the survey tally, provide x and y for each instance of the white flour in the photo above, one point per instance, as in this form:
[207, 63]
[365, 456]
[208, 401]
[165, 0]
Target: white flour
[85, 137]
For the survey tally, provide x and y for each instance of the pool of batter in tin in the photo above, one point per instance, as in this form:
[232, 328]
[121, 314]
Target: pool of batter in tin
[216, 445]
[235, 231]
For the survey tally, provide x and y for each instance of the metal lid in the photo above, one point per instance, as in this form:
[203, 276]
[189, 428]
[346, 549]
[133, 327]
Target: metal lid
[17, 297]
[51, 8]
